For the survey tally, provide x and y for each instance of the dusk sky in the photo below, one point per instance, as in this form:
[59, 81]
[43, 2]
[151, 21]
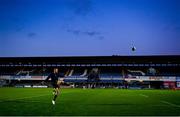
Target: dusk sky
[89, 27]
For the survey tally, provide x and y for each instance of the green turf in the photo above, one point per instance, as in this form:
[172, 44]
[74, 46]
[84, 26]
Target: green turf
[37, 101]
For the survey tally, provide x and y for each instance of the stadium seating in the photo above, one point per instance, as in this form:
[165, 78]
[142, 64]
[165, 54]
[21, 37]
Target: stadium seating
[78, 75]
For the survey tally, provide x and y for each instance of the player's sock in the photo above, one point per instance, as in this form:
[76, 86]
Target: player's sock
[55, 96]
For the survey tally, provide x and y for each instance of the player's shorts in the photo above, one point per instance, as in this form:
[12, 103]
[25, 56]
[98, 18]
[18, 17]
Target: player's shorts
[55, 85]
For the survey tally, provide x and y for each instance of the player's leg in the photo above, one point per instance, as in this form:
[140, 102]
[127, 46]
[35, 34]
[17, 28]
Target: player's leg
[54, 91]
[55, 95]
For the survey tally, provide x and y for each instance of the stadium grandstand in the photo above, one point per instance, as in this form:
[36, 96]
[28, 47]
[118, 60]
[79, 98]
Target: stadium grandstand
[133, 72]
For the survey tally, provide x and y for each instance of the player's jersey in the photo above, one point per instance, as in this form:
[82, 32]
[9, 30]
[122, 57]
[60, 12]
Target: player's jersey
[54, 77]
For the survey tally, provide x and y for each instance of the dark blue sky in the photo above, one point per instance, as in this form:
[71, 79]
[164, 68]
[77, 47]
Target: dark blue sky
[89, 27]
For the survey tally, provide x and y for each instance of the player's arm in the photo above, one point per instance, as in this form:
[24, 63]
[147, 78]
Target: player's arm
[49, 76]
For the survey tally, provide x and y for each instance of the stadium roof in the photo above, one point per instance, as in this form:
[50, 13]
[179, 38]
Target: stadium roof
[79, 60]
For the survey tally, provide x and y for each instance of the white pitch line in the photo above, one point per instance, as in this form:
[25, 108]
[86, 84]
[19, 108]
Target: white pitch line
[144, 95]
[171, 104]
[23, 98]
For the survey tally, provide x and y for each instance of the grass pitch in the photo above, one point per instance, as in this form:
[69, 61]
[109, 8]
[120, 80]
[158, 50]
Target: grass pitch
[37, 101]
